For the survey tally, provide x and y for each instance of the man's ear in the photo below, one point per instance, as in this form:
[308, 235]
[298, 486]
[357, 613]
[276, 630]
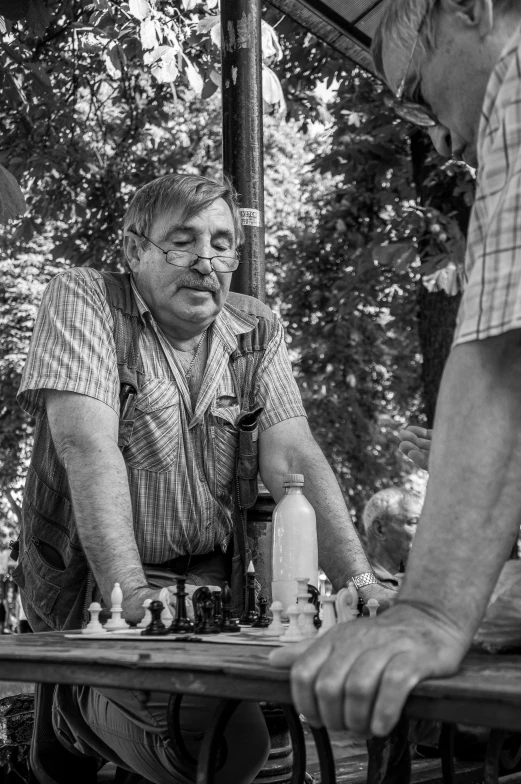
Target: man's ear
[472, 13]
[378, 529]
[132, 244]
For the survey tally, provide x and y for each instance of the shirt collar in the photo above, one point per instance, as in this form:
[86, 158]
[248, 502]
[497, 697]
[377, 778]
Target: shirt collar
[229, 323]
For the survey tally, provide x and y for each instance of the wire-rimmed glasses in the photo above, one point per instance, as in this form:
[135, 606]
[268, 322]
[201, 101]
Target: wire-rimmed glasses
[186, 259]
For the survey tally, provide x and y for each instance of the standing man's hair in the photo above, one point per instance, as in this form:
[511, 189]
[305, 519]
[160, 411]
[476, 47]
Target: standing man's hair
[402, 18]
[171, 192]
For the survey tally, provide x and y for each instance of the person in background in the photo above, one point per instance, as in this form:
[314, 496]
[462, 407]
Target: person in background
[389, 520]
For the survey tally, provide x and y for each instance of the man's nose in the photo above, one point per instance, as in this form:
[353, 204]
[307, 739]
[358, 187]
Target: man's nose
[442, 140]
[203, 265]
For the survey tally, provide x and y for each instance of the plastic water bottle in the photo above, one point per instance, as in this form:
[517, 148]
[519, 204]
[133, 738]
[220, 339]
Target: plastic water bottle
[295, 547]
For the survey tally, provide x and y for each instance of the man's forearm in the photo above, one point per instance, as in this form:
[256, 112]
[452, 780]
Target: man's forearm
[472, 509]
[101, 501]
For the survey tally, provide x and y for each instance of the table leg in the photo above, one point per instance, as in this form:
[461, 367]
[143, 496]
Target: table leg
[211, 741]
[298, 742]
[390, 757]
[495, 744]
[325, 755]
[174, 729]
[446, 749]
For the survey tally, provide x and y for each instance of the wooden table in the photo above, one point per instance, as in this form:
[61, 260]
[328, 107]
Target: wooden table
[486, 691]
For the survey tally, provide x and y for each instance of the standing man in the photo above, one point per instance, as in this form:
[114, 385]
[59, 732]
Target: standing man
[455, 69]
[163, 504]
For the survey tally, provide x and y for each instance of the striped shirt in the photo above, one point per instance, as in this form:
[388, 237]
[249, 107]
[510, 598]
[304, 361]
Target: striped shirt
[491, 303]
[180, 462]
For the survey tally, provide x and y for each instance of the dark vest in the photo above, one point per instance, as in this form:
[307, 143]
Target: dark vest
[52, 572]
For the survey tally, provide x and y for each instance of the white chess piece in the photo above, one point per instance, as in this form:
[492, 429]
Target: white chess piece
[293, 633]
[346, 606]
[148, 615]
[328, 613]
[94, 626]
[302, 584]
[116, 621]
[308, 628]
[276, 627]
[302, 601]
[166, 614]
[373, 605]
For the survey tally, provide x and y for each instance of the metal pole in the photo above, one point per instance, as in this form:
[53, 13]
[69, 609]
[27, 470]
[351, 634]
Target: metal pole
[242, 133]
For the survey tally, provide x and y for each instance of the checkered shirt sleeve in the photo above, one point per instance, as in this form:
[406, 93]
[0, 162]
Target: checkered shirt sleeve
[277, 389]
[491, 304]
[72, 347]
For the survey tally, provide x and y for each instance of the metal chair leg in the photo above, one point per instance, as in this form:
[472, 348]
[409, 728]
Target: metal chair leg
[299, 744]
[325, 755]
[446, 749]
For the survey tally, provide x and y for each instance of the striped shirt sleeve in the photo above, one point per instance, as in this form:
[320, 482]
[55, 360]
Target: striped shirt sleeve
[491, 303]
[278, 392]
[72, 346]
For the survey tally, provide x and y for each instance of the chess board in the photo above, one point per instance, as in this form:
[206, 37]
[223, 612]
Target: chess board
[246, 636]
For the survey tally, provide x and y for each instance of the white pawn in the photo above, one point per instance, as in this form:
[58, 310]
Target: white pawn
[302, 601]
[372, 606]
[166, 614]
[148, 615]
[116, 621]
[308, 628]
[276, 627]
[293, 633]
[328, 613]
[94, 626]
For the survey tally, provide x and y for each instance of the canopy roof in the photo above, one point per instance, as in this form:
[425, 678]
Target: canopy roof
[346, 25]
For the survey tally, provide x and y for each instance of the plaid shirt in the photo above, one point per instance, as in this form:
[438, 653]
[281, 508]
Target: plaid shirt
[180, 462]
[491, 303]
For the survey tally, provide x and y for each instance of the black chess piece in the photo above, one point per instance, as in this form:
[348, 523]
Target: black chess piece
[156, 627]
[262, 621]
[314, 598]
[181, 624]
[250, 614]
[199, 596]
[207, 624]
[229, 624]
[218, 612]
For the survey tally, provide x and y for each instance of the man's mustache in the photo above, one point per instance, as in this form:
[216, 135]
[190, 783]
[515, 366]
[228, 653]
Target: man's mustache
[194, 280]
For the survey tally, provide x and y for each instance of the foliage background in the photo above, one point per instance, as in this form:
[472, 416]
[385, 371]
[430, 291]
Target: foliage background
[98, 98]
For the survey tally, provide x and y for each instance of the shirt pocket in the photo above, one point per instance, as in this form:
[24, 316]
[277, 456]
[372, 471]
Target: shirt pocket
[155, 438]
[225, 439]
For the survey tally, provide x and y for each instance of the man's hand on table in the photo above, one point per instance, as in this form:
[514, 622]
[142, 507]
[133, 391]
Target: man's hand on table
[133, 606]
[415, 443]
[359, 675]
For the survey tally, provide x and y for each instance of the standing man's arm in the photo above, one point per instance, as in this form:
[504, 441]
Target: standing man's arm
[360, 676]
[289, 447]
[85, 434]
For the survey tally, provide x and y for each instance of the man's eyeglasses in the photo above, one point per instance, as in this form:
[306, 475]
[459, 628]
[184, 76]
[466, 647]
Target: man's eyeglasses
[182, 258]
[413, 111]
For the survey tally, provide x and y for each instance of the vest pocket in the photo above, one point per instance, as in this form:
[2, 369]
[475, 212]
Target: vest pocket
[154, 442]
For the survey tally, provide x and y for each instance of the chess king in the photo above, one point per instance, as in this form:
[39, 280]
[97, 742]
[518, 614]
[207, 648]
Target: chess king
[139, 384]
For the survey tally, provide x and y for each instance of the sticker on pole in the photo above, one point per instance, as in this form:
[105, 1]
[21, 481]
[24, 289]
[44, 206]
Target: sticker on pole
[251, 217]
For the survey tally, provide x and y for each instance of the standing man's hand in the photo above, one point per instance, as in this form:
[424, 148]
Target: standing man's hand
[415, 443]
[359, 675]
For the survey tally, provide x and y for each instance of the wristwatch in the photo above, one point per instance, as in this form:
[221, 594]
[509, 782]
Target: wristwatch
[361, 580]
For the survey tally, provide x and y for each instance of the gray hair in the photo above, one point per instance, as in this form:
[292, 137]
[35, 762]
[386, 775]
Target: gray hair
[401, 20]
[190, 192]
[384, 504]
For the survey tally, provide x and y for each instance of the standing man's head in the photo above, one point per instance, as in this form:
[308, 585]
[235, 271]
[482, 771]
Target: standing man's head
[440, 54]
[390, 518]
[182, 232]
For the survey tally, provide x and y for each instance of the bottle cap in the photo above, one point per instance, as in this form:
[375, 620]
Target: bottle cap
[293, 480]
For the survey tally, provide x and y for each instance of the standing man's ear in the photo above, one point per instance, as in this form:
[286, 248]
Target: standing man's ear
[473, 13]
[132, 244]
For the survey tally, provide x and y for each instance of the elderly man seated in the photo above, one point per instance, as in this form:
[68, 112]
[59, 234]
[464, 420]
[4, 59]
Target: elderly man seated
[389, 520]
